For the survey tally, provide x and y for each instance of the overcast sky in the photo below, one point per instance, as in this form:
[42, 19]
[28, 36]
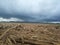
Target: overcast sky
[30, 10]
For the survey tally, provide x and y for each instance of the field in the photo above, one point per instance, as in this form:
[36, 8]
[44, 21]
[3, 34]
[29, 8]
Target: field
[29, 34]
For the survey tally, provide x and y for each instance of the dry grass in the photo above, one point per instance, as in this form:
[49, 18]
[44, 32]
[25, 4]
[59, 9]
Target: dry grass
[29, 34]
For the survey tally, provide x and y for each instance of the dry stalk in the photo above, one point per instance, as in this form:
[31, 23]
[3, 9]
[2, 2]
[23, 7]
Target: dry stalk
[9, 41]
[6, 32]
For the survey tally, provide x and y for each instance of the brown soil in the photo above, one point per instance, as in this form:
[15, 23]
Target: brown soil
[29, 34]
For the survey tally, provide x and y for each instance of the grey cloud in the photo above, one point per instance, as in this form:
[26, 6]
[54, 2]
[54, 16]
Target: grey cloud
[31, 10]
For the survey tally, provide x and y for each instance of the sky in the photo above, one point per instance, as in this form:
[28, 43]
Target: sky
[30, 10]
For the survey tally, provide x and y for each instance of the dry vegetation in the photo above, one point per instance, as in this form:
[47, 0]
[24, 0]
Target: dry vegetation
[29, 34]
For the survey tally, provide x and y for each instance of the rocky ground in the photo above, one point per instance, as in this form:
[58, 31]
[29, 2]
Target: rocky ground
[29, 34]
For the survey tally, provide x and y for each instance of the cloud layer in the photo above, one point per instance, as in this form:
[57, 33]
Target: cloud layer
[10, 19]
[31, 10]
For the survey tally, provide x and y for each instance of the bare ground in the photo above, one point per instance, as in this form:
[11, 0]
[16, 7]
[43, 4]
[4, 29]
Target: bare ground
[29, 34]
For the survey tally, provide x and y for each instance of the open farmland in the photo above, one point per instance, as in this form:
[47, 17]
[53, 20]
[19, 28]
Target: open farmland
[29, 34]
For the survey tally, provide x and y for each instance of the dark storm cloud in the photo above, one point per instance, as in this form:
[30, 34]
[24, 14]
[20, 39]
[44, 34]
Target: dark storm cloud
[21, 16]
[30, 10]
